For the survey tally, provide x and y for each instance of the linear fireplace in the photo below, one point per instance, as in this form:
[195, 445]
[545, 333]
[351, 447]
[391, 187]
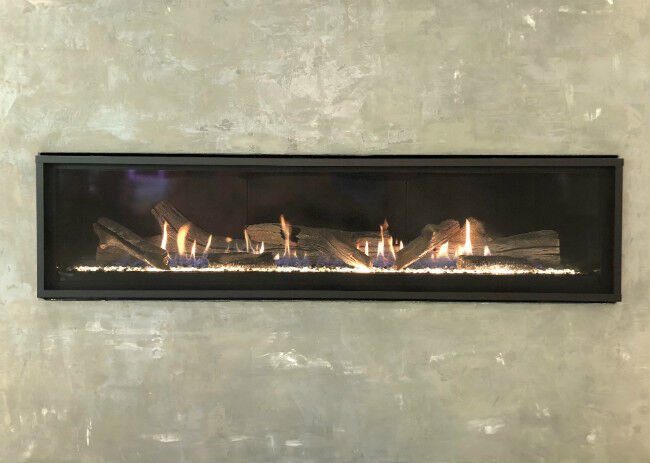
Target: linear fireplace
[510, 228]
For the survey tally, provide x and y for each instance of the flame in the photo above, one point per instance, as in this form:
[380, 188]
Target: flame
[207, 246]
[248, 241]
[466, 249]
[486, 251]
[380, 244]
[286, 230]
[443, 252]
[228, 241]
[262, 248]
[180, 238]
[163, 243]
[193, 253]
[401, 245]
[276, 257]
[365, 249]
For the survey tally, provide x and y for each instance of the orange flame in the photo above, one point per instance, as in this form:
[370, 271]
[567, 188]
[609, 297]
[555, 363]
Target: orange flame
[486, 251]
[180, 238]
[466, 249]
[163, 243]
[286, 230]
[207, 246]
[443, 252]
[193, 252]
[261, 251]
[248, 241]
[380, 244]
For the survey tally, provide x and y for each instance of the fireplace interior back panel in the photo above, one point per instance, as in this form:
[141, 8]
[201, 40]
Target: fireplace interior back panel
[508, 228]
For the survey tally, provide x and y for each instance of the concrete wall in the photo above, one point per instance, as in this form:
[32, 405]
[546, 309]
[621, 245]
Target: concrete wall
[322, 381]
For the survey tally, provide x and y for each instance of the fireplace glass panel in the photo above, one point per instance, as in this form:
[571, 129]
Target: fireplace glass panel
[328, 228]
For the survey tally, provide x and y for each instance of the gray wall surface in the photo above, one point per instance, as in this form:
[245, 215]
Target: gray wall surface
[295, 381]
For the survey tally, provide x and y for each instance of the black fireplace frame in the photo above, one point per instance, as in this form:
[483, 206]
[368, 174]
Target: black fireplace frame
[610, 161]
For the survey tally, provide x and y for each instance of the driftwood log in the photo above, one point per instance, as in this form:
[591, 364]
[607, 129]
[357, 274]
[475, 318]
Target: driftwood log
[234, 254]
[219, 247]
[335, 243]
[113, 235]
[241, 258]
[330, 244]
[540, 246]
[477, 235]
[272, 233]
[116, 241]
[113, 255]
[166, 212]
[485, 262]
[431, 237]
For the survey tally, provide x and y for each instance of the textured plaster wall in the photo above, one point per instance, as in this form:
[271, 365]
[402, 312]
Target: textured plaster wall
[322, 381]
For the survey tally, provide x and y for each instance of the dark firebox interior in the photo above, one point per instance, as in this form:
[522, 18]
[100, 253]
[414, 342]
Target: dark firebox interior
[576, 202]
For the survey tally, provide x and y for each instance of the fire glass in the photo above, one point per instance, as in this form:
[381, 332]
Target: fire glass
[394, 227]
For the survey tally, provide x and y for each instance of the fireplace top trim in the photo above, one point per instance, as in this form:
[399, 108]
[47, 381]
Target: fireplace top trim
[333, 160]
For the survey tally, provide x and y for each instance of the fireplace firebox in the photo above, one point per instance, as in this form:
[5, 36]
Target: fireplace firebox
[507, 228]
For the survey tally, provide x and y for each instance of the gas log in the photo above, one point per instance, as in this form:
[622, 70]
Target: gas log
[335, 243]
[431, 237]
[116, 241]
[264, 259]
[540, 246]
[165, 212]
[113, 255]
[110, 254]
[235, 245]
[330, 244]
[485, 262]
[477, 235]
[113, 235]
[272, 233]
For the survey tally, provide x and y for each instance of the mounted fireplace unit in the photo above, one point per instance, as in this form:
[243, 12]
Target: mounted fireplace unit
[480, 228]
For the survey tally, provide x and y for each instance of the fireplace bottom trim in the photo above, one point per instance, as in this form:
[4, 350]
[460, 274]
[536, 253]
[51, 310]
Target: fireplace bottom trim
[313, 295]
[273, 285]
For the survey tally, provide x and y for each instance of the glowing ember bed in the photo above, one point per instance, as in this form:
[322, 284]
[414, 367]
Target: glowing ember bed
[330, 227]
